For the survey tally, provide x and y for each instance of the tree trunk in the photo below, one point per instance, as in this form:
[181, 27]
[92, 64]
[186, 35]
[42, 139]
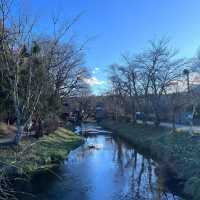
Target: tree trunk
[191, 120]
[19, 133]
[133, 112]
[146, 115]
[173, 122]
[134, 117]
[156, 112]
[157, 119]
[19, 126]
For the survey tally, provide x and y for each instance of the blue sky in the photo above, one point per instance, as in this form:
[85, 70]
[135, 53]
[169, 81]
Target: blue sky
[124, 26]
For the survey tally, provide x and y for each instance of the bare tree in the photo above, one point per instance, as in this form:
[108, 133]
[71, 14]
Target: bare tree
[161, 68]
[130, 75]
[147, 78]
[37, 69]
[119, 89]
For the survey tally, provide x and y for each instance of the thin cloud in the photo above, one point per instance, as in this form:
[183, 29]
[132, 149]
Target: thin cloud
[96, 69]
[93, 81]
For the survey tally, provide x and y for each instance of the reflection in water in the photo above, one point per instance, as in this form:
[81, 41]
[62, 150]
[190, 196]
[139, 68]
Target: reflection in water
[115, 171]
[142, 183]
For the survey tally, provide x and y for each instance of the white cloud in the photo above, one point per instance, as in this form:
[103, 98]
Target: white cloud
[93, 81]
[181, 84]
[195, 78]
[95, 70]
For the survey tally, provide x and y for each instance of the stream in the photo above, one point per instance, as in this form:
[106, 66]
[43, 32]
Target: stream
[104, 168]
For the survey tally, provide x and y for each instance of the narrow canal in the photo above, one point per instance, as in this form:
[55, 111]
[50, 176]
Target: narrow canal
[104, 168]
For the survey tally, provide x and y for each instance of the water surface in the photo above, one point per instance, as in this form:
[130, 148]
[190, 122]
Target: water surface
[104, 168]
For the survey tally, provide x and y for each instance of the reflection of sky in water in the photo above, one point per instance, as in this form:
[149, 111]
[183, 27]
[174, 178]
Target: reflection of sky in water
[113, 171]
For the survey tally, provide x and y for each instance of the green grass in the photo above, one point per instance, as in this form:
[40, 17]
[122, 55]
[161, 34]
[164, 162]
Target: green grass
[178, 151]
[36, 155]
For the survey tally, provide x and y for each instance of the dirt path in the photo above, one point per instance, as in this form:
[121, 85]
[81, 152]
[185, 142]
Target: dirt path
[179, 127]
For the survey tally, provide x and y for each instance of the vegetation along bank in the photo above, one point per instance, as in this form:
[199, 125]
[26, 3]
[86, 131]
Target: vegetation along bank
[40, 154]
[178, 151]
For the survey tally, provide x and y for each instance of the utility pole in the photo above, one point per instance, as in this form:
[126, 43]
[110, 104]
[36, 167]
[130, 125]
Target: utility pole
[186, 72]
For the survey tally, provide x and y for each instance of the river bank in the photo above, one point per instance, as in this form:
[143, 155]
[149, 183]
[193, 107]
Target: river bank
[34, 155]
[129, 174]
[177, 151]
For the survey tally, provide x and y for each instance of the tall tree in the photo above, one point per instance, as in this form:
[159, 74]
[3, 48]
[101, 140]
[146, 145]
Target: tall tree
[161, 68]
[37, 72]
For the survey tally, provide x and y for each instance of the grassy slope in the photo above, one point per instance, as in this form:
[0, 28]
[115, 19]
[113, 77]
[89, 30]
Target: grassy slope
[7, 131]
[41, 154]
[178, 150]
